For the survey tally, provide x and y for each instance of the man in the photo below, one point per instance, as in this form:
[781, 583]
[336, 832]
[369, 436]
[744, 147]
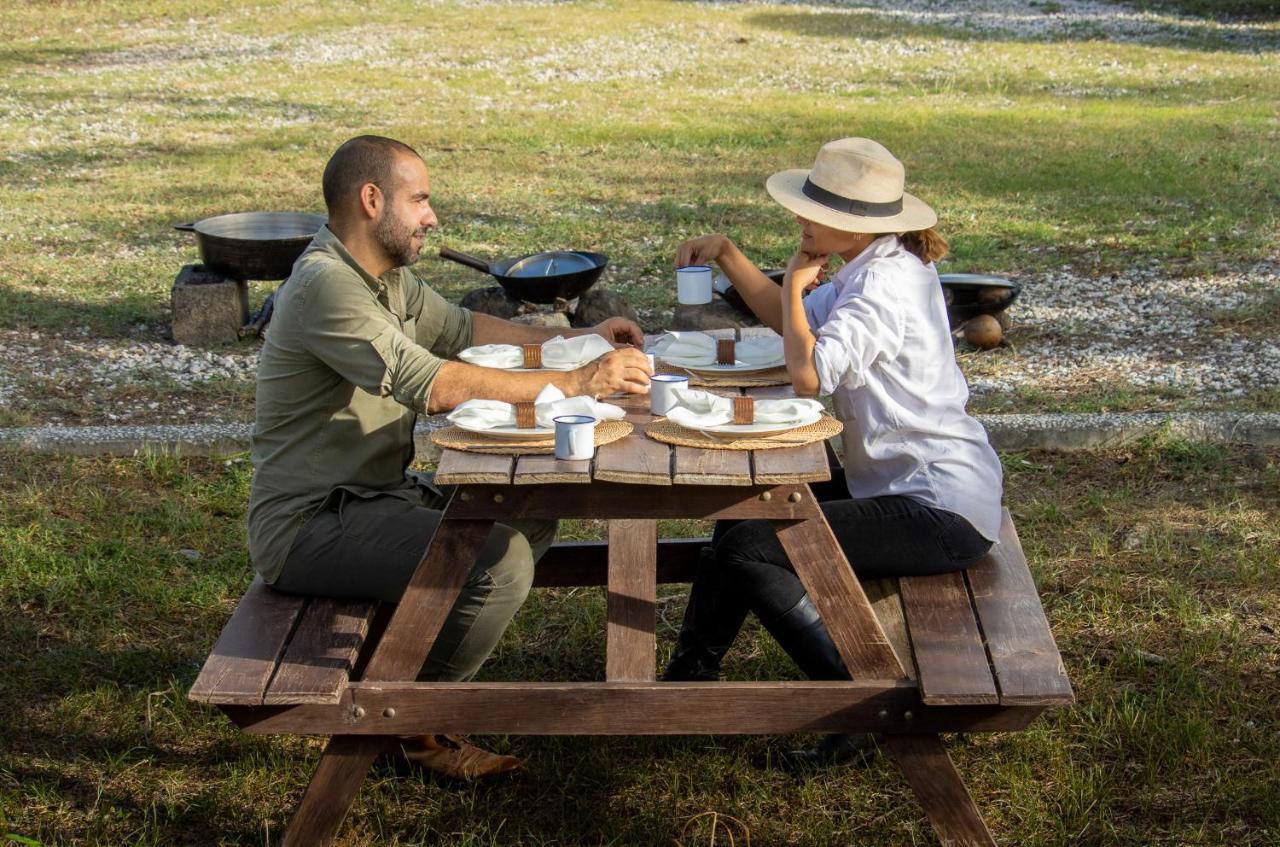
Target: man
[355, 352]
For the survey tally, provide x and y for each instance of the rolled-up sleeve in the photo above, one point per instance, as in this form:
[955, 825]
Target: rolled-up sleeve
[341, 324]
[860, 329]
[443, 328]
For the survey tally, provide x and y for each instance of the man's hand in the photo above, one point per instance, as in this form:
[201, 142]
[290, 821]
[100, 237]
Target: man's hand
[626, 369]
[702, 250]
[804, 270]
[620, 331]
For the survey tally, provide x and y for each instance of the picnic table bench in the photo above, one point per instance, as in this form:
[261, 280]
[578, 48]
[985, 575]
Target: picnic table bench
[958, 652]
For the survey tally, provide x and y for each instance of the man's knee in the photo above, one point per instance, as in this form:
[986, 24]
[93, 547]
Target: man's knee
[507, 563]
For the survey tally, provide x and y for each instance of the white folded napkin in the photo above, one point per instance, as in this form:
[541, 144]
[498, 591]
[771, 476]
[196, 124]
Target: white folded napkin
[548, 405]
[558, 354]
[697, 349]
[696, 409]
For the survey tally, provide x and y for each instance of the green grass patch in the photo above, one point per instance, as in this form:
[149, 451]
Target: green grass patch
[1156, 565]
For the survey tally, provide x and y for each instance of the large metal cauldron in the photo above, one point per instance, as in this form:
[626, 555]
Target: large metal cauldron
[254, 245]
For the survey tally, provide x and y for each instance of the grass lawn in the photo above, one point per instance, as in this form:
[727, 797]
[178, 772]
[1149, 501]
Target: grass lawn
[1045, 140]
[1157, 567]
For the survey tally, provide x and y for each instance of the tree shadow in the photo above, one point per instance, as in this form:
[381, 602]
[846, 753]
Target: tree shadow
[1045, 22]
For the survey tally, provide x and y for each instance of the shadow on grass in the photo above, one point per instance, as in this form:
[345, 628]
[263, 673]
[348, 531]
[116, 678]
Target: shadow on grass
[1048, 21]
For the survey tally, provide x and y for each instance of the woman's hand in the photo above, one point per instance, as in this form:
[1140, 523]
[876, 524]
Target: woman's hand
[805, 270]
[702, 250]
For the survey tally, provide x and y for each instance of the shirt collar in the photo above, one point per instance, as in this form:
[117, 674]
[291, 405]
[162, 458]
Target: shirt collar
[882, 246]
[327, 240]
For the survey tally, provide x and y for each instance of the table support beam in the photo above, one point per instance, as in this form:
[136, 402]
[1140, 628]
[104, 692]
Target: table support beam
[630, 646]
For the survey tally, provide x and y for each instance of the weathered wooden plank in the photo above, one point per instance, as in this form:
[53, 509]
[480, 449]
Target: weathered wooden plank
[941, 792]
[695, 466]
[631, 708]
[540, 469]
[770, 392]
[806, 463]
[461, 468]
[574, 563]
[428, 599]
[322, 652]
[631, 608]
[244, 658]
[827, 577]
[885, 601]
[948, 646]
[1028, 667]
[634, 458]
[617, 500]
[329, 795]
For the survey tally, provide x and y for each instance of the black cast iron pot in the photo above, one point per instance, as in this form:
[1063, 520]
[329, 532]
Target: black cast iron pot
[254, 245]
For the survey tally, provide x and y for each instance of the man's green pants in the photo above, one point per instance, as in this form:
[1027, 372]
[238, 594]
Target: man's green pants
[368, 547]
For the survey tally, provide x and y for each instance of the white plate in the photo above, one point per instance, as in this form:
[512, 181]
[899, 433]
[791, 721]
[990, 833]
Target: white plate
[512, 432]
[713, 370]
[756, 430]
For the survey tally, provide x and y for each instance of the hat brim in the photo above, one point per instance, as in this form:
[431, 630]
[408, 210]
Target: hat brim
[785, 187]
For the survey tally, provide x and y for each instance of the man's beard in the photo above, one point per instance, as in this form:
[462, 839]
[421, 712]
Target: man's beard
[396, 240]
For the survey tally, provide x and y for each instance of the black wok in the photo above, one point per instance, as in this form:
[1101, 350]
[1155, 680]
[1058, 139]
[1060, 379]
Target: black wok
[977, 294]
[254, 245]
[540, 277]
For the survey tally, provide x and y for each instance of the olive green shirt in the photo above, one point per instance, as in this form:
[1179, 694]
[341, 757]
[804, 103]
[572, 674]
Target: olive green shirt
[347, 366]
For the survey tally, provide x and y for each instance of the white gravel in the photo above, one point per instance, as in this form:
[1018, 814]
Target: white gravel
[1143, 329]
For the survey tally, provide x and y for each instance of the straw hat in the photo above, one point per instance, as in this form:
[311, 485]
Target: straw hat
[855, 186]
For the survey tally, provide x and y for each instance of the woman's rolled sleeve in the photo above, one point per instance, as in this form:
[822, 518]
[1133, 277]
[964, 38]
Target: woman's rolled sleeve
[859, 331]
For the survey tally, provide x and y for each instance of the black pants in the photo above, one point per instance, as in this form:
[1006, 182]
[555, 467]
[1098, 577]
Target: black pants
[881, 536]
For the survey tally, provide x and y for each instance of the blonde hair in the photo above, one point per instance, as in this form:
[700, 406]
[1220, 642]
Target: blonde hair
[927, 245]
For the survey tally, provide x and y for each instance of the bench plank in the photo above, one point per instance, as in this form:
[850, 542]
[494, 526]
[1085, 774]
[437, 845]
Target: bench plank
[886, 602]
[807, 463]
[947, 644]
[321, 654]
[539, 468]
[635, 458]
[241, 664]
[1025, 658]
[460, 468]
[696, 466]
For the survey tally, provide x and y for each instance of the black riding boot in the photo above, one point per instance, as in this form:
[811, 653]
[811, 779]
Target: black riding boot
[801, 633]
[712, 620]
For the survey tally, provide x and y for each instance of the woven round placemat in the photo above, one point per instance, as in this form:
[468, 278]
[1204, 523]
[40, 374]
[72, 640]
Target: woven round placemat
[773, 376]
[672, 433]
[473, 442]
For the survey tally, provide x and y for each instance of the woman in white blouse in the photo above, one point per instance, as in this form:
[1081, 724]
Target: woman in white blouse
[922, 487]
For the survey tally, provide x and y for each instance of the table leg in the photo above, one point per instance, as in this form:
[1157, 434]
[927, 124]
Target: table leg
[938, 786]
[827, 577]
[632, 605]
[398, 655]
[332, 789]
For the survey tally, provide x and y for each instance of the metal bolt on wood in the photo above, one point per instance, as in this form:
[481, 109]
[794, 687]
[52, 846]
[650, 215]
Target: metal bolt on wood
[794, 497]
[466, 495]
[498, 498]
[358, 711]
[908, 715]
[766, 496]
[883, 714]
[388, 712]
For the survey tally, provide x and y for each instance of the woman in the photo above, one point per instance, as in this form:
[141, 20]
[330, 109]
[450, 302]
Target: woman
[922, 487]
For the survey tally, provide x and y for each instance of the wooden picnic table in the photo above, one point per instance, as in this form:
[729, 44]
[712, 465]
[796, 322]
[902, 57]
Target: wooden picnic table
[959, 652]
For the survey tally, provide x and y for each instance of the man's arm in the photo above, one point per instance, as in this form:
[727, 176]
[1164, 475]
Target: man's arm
[626, 370]
[486, 329]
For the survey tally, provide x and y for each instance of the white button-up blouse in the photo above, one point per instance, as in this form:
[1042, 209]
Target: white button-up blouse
[884, 352]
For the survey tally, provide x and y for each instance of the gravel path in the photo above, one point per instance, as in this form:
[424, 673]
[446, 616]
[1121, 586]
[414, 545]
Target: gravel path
[1209, 338]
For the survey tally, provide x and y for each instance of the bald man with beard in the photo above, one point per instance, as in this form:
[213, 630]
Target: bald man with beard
[358, 347]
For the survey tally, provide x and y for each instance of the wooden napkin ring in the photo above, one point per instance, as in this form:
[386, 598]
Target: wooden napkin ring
[744, 410]
[525, 418]
[725, 353]
[532, 355]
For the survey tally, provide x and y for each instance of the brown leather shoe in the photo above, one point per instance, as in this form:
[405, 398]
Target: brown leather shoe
[454, 757]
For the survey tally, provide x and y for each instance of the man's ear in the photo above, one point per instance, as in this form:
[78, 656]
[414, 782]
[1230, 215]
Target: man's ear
[371, 200]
